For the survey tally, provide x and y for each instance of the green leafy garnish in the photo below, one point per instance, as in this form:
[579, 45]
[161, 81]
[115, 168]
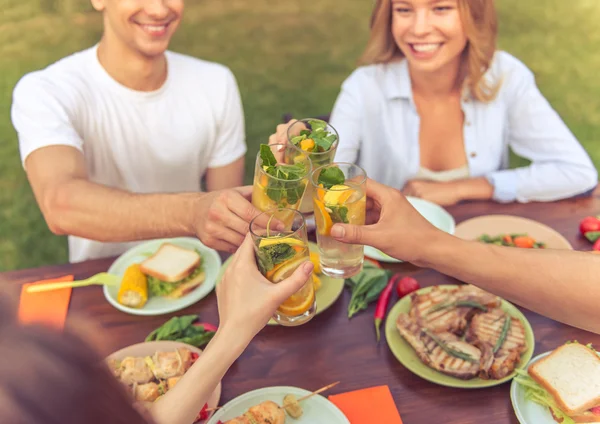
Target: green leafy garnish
[288, 187]
[330, 177]
[503, 334]
[536, 393]
[182, 329]
[323, 139]
[339, 214]
[366, 287]
[272, 255]
[448, 349]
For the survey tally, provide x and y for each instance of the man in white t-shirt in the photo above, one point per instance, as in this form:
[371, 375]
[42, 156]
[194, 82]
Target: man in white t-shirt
[116, 139]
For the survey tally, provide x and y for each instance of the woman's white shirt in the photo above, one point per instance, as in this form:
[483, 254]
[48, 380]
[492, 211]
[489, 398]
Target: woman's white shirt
[378, 125]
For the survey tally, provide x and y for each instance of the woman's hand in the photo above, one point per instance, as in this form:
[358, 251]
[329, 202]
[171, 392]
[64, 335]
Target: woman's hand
[246, 299]
[451, 192]
[281, 133]
[441, 193]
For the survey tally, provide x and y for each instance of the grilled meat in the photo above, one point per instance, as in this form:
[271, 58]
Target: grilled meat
[449, 310]
[443, 352]
[267, 412]
[488, 328]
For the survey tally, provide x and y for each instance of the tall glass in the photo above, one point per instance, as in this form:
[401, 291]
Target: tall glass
[339, 196]
[317, 154]
[279, 254]
[281, 181]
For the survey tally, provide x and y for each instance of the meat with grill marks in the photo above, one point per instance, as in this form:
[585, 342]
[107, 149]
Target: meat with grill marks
[432, 353]
[506, 346]
[449, 310]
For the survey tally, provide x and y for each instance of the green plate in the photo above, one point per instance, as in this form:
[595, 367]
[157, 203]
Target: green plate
[330, 291]
[408, 357]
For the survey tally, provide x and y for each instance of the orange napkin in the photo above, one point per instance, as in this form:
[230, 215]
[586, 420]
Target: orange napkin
[45, 307]
[368, 406]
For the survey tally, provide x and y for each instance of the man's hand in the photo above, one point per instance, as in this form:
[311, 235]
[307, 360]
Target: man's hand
[441, 193]
[222, 218]
[401, 231]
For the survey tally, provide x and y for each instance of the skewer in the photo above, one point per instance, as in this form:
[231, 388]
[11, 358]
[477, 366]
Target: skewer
[316, 392]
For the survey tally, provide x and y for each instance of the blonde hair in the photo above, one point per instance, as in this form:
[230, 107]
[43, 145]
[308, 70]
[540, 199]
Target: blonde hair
[480, 24]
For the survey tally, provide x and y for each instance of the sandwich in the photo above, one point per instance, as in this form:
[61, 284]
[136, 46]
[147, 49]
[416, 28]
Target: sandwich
[567, 382]
[173, 271]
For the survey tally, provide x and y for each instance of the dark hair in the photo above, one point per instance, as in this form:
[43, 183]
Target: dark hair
[49, 376]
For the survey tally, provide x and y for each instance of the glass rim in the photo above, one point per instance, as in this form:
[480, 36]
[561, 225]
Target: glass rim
[272, 212]
[262, 171]
[333, 146]
[314, 172]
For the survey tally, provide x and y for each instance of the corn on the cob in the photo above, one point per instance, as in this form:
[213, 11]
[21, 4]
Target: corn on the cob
[134, 288]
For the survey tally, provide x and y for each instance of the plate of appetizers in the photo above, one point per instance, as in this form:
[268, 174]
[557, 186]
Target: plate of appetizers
[433, 213]
[559, 386]
[279, 405]
[163, 276]
[149, 370]
[459, 336]
[514, 231]
[327, 289]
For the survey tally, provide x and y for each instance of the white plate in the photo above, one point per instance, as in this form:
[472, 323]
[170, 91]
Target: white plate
[529, 412]
[433, 213]
[317, 409]
[149, 348]
[211, 261]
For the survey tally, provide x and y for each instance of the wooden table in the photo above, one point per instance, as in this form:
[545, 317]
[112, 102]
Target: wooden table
[331, 348]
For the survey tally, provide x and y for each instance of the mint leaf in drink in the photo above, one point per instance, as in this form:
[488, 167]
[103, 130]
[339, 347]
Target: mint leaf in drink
[317, 125]
[339, 214]
[330, 177]
[267, 156]
[272, 255]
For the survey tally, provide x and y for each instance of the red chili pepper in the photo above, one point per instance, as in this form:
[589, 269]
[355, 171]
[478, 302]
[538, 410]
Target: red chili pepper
[207, 326]
[382, 303]
[202, 415]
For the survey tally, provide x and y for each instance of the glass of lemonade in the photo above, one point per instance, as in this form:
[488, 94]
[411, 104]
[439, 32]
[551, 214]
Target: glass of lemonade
[280, 178]
[339, 196]
[320, 140]
[279, 254]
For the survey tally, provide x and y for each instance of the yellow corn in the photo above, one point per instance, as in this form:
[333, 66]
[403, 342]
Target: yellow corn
[134, 288]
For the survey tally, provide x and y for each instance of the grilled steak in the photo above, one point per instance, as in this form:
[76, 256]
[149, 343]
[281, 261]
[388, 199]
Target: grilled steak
[487, 328]
[443, 310]
[432, 349]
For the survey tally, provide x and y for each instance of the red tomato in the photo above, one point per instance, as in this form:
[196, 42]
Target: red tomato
[595, 410]
[589, 223]
[406, 285]
[596, 245]
[202, 415]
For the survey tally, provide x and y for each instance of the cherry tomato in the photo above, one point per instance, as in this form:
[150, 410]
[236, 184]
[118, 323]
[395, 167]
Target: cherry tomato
[406, 285]
[596, 245]
[589, 223]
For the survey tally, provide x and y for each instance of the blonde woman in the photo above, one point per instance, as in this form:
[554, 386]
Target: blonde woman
[435, 109]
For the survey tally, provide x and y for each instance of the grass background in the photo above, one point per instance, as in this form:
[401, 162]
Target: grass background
[288, 56]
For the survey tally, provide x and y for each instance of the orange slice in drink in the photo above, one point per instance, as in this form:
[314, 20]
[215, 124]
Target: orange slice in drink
[298, 303]
[322, 218]
[338, 195]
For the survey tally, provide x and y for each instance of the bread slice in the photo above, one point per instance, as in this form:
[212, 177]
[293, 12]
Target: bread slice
[171, 263]
[586, 417]
[571, 374]
[187, 287]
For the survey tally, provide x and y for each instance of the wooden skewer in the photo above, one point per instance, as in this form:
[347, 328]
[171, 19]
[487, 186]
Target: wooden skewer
[316, 392]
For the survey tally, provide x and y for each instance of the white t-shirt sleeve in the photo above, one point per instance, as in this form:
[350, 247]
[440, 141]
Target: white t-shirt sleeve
[41, 115]
[230, 143]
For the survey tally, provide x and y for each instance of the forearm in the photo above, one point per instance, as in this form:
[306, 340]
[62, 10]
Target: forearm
[85, 209]
[562, 285]
[182, 404]
[474, 189]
